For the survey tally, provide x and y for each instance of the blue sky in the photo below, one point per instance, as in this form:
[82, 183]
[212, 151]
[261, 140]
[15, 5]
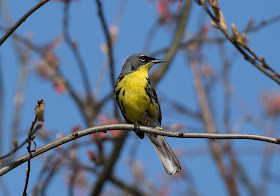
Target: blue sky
[136, 20]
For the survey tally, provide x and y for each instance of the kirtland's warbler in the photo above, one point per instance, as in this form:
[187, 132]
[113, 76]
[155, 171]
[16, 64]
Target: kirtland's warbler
[139, 105]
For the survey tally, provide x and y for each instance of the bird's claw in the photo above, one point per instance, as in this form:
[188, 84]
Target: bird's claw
[136, 129]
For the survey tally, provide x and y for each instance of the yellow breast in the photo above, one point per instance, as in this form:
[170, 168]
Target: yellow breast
[134, 96]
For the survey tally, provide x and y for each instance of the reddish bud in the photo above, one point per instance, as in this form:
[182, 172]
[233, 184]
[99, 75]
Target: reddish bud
[205, 29]
[115, 133]
[164, 191]
[271, 103]
[163, 10]
[76, 128]
[179, 5]
[90, 153]
[59, 85]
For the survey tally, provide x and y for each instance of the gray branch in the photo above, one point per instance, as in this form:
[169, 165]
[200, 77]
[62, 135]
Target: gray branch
[8, 167]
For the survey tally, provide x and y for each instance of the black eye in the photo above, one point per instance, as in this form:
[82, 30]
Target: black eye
[142, 58]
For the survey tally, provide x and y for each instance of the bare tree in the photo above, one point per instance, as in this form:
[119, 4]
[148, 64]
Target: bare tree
[202, 102]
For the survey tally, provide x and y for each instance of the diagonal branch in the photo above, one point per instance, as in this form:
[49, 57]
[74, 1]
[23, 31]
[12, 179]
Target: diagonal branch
[247, 53]
[179, 33]
[21, 20]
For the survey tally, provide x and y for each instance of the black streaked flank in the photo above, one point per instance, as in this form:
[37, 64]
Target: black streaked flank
[117, 94]
[122, 107]
[157, 103]
[148, 92]
[120, 78]
[149, 82]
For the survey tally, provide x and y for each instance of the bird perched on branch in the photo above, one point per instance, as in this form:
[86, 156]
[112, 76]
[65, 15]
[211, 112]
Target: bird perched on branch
[139, 105]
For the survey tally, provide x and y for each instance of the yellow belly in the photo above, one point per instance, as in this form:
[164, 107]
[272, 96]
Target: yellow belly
[134, 100]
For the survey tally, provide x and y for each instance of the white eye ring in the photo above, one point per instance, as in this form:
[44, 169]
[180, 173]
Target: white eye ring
[142, 58]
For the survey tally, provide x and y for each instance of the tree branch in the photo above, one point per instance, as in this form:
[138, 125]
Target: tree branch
[180, 29]
[110, 51]
[29, 162]
[109, 165]
[21, 20]
[38, 118]
[103, 128]
[210, 126]
[133, 190]
[74, 49]
[248, 54]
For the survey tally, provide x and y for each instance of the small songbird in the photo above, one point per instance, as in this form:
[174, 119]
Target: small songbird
[139, 105]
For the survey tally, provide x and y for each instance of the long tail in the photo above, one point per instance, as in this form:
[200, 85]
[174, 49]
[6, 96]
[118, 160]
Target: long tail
[167, 157]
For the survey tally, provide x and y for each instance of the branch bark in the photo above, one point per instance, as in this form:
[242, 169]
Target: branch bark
[21, 20]
[244, 50]
[8, 167]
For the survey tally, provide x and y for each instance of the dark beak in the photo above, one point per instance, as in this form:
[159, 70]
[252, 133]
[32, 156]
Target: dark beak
[155, 61]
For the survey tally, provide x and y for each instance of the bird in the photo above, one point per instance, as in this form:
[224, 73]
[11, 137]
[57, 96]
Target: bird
[139, 105]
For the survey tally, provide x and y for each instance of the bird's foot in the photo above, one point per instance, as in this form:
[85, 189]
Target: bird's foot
[136, 129]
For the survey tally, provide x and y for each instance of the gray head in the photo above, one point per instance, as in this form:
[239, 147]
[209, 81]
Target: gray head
[137, 60]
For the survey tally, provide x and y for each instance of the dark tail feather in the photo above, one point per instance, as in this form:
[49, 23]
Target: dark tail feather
[167, 157]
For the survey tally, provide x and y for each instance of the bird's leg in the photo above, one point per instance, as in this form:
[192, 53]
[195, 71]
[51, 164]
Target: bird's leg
[146, 118]
[136, 127]
[137, 131]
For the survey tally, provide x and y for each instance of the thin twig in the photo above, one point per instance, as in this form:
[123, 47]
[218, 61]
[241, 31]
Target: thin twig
[260, 25]
[51, 167]
[247, 53]
[180, 29]
[191, 41]
[110, 50]
[21, 20]
[265, 169]
[236, 166]
[117, 182]
[109, 165]
[39, 117]
[81, 105]
[182, 109]
[125, 187]
[103, 128]
[74, 170]
[19, 146]
[210, 127]
[23, 40]
[29, 162]
[73, 46]
[219, 40]
[52, 171]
